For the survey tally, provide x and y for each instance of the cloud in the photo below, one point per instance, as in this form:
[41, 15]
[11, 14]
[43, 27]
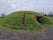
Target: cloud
[36, 5]
[13, 5]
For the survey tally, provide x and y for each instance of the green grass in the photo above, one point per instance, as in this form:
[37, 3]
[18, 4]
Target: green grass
[14, 20]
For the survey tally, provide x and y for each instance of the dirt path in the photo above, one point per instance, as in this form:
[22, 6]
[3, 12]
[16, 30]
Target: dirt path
[23, 35]
[49, 32]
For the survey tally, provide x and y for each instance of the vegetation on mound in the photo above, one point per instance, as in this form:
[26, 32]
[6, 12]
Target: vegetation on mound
[15, 21]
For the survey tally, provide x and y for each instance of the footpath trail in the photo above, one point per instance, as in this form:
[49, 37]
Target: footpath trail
[49, 32]
[23, 35]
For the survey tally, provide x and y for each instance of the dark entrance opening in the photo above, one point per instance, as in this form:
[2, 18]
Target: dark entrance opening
[39, 19]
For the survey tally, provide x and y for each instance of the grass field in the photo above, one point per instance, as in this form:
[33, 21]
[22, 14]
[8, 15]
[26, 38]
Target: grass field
[15, 19]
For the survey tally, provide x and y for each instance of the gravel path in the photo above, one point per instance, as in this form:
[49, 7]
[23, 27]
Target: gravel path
[23, 35]
[49, 32]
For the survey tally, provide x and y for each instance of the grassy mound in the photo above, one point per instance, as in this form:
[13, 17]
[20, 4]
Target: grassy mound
[17, 20]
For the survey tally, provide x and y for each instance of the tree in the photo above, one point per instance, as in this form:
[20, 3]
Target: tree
[3, 15]
[50, 14]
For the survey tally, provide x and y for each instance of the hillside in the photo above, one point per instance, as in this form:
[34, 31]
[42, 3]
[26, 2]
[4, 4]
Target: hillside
[26, 20]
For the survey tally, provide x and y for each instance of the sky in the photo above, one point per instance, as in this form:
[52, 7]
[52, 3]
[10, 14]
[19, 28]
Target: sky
[8, 6]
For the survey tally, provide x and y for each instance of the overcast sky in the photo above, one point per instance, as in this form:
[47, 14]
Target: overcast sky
[7, 6]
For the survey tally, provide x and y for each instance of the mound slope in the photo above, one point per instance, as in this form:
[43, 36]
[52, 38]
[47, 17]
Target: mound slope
[24, 20]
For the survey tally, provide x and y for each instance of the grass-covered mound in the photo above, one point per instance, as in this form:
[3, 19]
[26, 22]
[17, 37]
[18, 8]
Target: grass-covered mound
[24, 20]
